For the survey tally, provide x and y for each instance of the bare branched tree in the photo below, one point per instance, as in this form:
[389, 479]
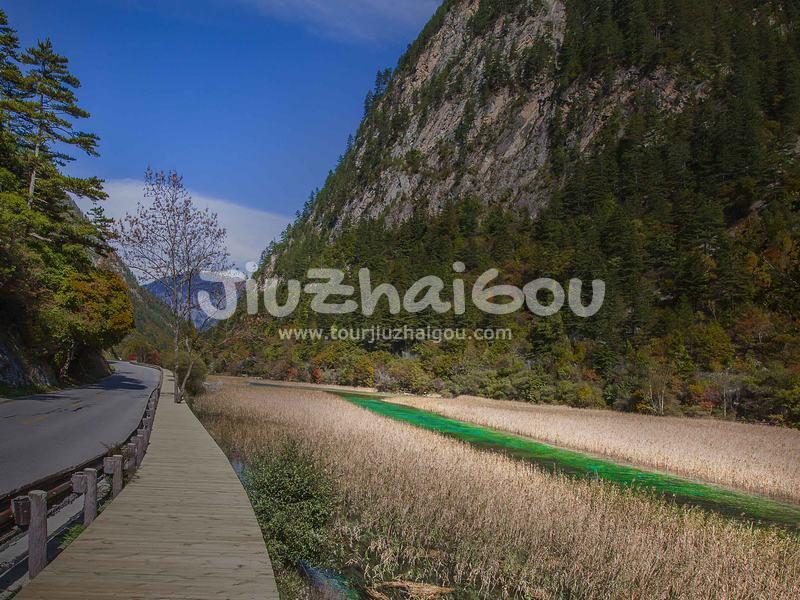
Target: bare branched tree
[729, 389]
[171, 241]
[660, 381]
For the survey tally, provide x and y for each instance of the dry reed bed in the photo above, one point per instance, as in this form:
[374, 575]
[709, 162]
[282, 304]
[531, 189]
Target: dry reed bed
[756, 458]
[438, 511]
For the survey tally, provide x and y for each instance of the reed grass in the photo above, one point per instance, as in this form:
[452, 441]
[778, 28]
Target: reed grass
[418, 506]
[755, 458]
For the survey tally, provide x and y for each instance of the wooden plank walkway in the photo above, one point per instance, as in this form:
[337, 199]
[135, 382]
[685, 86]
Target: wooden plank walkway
[182, 529]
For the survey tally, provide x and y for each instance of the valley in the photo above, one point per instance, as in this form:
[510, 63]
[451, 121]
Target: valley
[534, 332]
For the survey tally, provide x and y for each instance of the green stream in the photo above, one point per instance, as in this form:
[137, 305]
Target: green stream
[683, 491]
[740, 505]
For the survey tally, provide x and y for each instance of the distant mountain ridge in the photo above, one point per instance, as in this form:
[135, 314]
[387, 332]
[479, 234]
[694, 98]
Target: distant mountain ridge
[159, 289]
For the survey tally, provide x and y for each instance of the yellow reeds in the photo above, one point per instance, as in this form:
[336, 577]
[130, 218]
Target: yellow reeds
[418, 506]
[756, 458]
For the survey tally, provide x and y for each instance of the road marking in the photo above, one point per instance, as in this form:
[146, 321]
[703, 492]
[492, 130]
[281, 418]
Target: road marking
[35, 420]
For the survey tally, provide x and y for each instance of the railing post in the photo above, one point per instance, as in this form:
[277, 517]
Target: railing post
[137, 456]
[148, 425]
[129, 452]
[140, 446]
[21, 510]
[113, 465]
[37, 533]
[85, 482]
[78, 483]
[90, 498]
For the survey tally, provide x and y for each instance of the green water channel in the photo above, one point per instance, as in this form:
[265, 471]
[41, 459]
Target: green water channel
[575, 464]
[740, 505]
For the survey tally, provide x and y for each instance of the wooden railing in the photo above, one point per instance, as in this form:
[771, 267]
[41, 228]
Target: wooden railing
[28, 511]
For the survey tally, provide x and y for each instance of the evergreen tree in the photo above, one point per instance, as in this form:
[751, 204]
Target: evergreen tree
[45, 108]
[9, 48]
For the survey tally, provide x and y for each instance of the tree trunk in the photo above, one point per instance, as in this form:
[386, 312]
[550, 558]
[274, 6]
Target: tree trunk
[178, 390]
[188, 373]
[190, 358]
[64, 370]
[32, 184]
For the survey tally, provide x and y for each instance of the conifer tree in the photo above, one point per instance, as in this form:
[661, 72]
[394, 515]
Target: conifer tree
[45, 109]
[9, 47]
[10, 75]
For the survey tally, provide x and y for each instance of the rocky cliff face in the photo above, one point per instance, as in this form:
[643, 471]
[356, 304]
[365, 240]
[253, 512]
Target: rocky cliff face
[18, 370]
[472, 110]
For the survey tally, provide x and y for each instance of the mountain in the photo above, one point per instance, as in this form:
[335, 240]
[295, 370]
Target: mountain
[150, 336]
[160, 290]
[496, 99]
[651, 144]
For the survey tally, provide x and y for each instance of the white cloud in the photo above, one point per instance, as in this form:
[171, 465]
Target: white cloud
[362, 20]
[249, 230]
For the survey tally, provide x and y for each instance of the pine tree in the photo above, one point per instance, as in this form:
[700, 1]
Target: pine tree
[45, 108]
[368, 103]
[9, 48]
[103, 223]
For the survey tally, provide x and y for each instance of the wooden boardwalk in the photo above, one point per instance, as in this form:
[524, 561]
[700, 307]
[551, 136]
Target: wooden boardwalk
[183, 528]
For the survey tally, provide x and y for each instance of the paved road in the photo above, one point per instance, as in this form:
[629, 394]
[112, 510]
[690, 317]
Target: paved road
[46, 434]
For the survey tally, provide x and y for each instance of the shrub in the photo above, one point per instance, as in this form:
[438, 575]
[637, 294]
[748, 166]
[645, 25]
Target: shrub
[294, 504]
[410, 376]
[359, 371]
[500, 388]
[526, 386]
[138, 347]
[384, 381]
[352, 365]
[472, 382]
[579, 395]
[444, 365]
[335, 355]
[711, 345]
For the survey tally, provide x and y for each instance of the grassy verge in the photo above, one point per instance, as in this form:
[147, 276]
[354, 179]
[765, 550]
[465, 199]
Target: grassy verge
[19, 392]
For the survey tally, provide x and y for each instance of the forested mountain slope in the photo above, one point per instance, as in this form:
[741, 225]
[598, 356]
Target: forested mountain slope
[150, 336]
[651, 144]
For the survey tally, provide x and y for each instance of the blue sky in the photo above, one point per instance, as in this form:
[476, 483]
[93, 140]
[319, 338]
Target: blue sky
[251, 100]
